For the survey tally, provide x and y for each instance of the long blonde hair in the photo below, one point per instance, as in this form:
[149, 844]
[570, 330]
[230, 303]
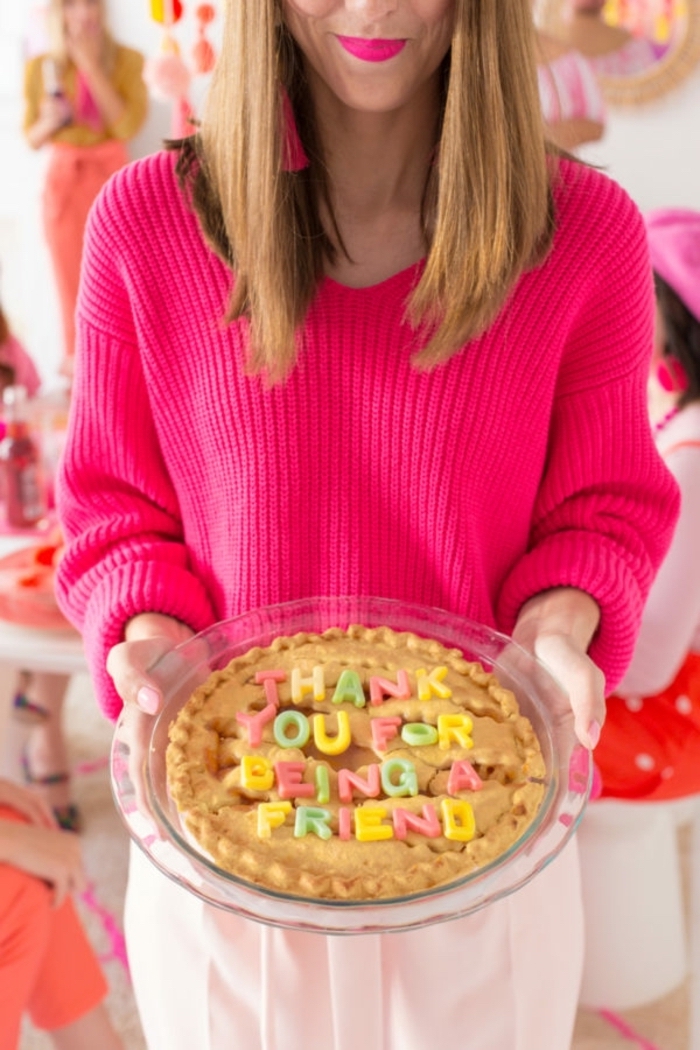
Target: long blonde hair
[57, 35]
[487, 208]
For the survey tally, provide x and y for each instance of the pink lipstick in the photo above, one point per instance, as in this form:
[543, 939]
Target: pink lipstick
[369, 50]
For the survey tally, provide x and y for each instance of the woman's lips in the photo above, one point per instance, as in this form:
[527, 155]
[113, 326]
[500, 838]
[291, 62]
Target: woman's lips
[371, 50]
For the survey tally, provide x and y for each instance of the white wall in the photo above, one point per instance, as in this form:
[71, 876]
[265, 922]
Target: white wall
[653, 150]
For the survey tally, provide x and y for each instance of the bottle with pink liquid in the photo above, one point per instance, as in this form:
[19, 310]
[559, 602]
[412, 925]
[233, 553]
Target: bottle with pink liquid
[20, 464]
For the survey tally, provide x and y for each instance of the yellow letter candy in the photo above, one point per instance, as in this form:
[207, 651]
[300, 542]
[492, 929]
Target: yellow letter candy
[368, 824]
[256, 773]
[301, 686]
[332, 745]
[430, 685]
[454, 729]
[271, 815]
[458, 821]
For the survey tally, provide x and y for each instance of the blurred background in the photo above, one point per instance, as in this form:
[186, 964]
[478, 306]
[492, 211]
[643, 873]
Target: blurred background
[26, 280]
[651, 146]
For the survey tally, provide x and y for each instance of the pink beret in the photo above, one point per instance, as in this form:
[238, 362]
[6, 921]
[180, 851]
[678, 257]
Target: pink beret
[674, 244]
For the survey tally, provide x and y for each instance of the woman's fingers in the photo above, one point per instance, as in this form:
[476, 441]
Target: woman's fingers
[61, 889]
[52, 855]
[67, 882]
[28, 802]
[129, 663]
[149, 636]
[557, 626]
[146, 668]
[581, 678]
[39, 812]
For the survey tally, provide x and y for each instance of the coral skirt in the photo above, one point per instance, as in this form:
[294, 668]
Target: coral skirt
[650, 746]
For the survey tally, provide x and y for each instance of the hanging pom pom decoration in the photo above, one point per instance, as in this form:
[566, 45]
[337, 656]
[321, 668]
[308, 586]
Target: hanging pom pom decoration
[166, 12]
[166, 75]
[653, 19]
[203, 54]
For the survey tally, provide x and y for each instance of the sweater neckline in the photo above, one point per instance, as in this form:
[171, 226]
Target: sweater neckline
[400, 277]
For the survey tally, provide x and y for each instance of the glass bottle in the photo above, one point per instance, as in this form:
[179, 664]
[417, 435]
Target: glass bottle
[20, 464]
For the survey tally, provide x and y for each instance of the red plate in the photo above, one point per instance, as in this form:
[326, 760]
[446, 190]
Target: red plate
[27, 591]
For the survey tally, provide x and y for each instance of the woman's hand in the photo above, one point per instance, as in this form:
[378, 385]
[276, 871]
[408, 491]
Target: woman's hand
[50, 854]
[27, 802]
[149, 636]
[557, 626]
[54, 111]
[85, 48]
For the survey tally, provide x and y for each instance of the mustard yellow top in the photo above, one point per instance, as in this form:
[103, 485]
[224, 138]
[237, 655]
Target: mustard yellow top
[126, 78]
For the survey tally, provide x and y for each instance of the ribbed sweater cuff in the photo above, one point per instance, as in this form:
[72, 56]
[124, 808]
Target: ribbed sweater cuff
[128, 590]
[576, 559]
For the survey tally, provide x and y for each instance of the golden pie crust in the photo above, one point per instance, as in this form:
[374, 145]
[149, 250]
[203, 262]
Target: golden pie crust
[208, 743]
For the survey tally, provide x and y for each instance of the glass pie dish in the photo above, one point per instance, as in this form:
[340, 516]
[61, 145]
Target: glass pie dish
[139, 784]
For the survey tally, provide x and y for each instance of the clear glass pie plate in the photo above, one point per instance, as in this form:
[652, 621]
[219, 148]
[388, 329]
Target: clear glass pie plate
[140, 789]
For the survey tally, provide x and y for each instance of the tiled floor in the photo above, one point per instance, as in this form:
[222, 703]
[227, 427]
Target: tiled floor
[660, 1026]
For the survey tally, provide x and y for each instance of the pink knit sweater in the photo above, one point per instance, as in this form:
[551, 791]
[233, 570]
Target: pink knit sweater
[523, 463]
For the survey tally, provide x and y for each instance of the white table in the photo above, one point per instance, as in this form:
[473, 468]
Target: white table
[32, 648]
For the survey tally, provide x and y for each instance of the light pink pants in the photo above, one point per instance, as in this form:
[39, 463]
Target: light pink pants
[505, 978]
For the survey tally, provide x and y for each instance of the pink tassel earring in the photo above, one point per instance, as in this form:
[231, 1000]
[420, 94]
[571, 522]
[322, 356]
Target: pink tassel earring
[203, 54]
[671, 376]
[293, 156]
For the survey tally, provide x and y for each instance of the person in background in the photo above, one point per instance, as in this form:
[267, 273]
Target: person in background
[39, 696]
[364, 335]
[48, 968]
[85, 99]
[650, 745]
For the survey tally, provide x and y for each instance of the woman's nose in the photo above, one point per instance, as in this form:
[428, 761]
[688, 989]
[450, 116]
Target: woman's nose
[372, 9]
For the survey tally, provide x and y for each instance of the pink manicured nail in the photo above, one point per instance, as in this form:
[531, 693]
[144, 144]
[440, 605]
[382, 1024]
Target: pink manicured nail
[148, 699]
[594, 733]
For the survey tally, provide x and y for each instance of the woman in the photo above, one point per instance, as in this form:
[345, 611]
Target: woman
[649, 750]
[430, 339]
[85, 99]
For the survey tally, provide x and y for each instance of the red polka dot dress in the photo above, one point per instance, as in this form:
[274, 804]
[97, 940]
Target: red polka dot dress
[650, 744]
